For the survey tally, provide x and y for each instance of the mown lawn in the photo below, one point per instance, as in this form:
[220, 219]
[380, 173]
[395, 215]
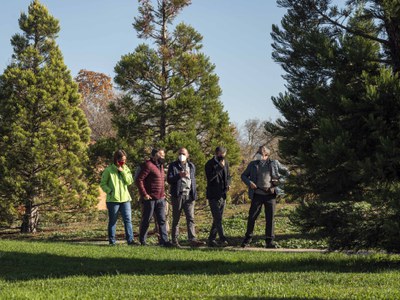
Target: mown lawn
[59, 270]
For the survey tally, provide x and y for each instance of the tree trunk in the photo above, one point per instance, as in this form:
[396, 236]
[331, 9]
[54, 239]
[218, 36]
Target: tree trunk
[393, 32]
[30, 219]
[163, 121]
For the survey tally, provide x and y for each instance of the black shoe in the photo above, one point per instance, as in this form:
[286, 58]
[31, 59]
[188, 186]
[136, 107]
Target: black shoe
[143, 244]
[246, 243]
[271, 245]
[212, 243]
[167, 245]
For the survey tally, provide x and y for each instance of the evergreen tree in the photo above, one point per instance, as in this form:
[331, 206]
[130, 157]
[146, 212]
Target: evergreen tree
[172, 92]
[44, 133]
[385, 14]
[340, 126]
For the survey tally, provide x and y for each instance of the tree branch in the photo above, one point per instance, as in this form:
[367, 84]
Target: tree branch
[352, 31]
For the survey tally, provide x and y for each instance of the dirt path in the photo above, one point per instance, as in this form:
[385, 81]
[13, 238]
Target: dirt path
[230, 248]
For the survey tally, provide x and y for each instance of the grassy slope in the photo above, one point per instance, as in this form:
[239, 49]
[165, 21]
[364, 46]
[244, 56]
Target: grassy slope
[36, 270]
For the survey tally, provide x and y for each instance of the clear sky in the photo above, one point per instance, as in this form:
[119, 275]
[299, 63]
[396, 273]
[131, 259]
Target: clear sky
[95, 33]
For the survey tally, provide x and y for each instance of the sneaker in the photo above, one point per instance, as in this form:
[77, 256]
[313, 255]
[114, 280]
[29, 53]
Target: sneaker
[212, 243]
[196, 243]
[271, 245]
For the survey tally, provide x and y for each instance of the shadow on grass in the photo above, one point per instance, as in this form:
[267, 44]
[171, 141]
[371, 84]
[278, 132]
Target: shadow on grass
[263, 298]
[17, 266]
[284, 237]
[291, 236]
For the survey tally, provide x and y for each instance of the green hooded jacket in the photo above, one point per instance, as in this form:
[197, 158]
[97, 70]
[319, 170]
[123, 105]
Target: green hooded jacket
[115, 184]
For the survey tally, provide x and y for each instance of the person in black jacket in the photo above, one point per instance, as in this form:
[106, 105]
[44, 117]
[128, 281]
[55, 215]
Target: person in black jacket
[182, 180]
[218, 182]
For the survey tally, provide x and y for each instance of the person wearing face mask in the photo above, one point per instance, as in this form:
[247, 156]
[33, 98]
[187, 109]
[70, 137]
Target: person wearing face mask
[182, 180]
[114, 182]
[261, 176]
[150, 183]
[218, 182]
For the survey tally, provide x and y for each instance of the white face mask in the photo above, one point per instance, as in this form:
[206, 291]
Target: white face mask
[182, 158]
[259, 156]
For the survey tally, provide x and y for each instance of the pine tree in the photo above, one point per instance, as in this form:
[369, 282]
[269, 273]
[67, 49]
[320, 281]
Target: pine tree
[172, 92]
[340, 127]
[44, 133]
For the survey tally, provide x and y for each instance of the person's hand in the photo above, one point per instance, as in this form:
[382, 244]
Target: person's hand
[147, 197]
[182, 174]
[222, 163]
[253, 186]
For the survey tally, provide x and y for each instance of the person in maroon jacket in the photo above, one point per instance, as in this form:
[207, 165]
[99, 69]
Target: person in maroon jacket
[150, 183]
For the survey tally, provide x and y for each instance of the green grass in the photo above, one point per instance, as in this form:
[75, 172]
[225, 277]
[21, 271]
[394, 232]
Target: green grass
[49, 270]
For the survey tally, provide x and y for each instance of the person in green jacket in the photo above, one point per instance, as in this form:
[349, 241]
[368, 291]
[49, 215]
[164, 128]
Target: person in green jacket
[114, 182]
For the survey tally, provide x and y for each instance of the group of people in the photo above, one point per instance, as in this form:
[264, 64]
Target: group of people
[262, 177]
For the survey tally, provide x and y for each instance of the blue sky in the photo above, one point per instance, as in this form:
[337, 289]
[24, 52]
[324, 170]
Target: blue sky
[96, 33]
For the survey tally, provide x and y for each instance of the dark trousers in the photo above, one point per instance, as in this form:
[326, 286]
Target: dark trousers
[217, 207]
[269, 203]
[187, 205]
[151, 207]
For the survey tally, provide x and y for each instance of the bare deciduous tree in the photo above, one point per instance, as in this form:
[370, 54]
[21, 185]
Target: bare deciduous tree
[97, 93]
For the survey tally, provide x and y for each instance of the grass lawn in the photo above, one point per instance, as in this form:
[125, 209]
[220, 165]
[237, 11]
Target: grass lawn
[59, 270]
[51, 264]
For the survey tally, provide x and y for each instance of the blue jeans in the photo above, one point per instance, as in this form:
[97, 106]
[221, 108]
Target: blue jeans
[126, 213]
[151, 207]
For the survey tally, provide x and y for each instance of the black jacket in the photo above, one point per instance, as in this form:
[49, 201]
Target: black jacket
[174, 179]
[218, 179]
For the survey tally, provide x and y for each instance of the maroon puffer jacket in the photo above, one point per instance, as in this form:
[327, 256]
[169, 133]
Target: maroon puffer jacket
[150, 181]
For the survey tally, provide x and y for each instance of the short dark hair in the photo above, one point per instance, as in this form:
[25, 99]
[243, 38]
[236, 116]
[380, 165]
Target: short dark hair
[118, 155]
[220, 149]
[264, 148]
[183, 148]
[154, 151]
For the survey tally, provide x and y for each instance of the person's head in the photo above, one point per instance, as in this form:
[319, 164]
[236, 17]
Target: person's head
[263, 153]
[158, 155]
[183, 154]
[119, 158]
[220, 153]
